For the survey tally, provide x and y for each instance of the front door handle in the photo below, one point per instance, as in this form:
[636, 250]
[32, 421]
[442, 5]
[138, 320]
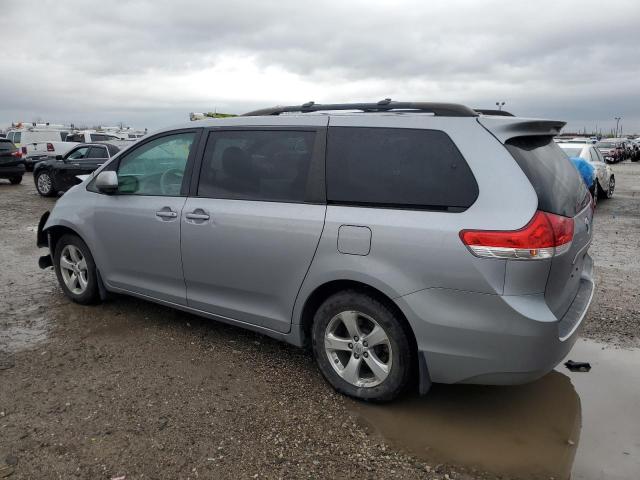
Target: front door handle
[197, 216]
[166, 214]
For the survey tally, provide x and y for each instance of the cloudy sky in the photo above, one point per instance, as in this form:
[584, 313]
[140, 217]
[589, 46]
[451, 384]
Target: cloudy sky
[149, 63]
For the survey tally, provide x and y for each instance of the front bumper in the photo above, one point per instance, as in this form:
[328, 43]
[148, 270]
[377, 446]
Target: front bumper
[467, 337]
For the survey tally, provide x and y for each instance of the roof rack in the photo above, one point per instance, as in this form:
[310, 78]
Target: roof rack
[386, 105]
[497, 113]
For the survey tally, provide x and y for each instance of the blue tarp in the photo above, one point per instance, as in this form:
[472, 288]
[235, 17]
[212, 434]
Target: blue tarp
[587, 171]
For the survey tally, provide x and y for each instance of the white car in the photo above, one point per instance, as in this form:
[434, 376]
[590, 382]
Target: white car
[605, 179]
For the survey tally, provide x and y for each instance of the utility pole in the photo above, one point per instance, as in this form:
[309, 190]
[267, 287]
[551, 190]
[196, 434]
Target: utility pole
[617, 119]
[500, 105]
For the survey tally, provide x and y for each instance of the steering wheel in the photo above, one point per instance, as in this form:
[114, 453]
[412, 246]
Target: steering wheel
[171, 181]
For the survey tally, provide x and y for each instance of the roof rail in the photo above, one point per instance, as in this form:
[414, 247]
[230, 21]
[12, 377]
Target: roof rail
[498, 113]
[386, 105]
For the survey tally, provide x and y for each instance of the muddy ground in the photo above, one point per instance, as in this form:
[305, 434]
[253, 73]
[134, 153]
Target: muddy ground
[133, 389]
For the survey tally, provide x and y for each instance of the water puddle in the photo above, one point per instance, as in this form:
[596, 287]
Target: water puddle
[583, 425]
[23, 327]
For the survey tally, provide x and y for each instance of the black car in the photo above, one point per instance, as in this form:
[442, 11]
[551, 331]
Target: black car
[60, 174]
[11, 162]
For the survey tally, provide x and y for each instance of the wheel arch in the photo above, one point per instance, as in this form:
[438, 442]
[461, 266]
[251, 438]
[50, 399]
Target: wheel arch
[420, 375]
[325, 290]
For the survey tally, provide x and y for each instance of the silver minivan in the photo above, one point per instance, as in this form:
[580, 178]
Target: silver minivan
[405, 243]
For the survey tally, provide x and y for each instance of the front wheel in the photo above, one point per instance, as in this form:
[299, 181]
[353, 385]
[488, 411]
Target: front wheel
[44, 184]
[361, 347]
[76, 270]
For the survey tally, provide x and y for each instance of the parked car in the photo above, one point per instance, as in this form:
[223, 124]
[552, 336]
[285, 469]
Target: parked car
[612, 152]
[11, 163]
[36, 143]
[588, 174]
[384, 240]
[60, 174]
[606, 181]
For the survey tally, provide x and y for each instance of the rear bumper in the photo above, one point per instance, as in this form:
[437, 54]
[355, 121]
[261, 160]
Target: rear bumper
[467, 337]
[31, 161]
[12, 170]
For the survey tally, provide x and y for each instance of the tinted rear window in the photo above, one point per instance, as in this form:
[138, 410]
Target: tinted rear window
[6, 146]
[397, 167]
[558, 184]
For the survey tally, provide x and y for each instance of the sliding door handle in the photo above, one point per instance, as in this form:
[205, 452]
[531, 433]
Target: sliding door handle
[166, 214]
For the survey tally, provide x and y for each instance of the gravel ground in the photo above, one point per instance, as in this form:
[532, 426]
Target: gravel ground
[132, 388]
[614, 316]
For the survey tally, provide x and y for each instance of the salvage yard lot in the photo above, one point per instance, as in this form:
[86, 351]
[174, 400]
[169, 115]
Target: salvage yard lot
[132, 388]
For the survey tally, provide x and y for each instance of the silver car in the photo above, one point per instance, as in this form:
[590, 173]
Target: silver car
[405, 243]
[605, 178]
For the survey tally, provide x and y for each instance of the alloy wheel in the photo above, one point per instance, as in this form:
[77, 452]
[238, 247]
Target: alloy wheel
[358, 349]
[73, 267]
[44, 183]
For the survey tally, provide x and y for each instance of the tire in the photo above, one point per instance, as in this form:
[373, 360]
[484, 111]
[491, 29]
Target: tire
[16, 180]
[44, 184]
[67, 248]
[395, 353]
[612, 187]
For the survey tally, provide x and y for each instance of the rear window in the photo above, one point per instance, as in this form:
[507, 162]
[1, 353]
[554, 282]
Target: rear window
[397, 168]
[558, 184]
[6, 145]
[572, 152]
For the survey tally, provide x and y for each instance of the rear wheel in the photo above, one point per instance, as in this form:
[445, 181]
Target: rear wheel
[44, 184]
[16, 180]
[76, 270]
[612, 186]
[361, 347]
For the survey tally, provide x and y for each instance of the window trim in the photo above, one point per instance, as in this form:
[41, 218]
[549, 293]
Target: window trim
[316, 185]
[186, 179]
[403, 206]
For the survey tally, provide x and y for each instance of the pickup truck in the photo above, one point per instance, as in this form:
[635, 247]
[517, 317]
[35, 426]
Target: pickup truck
[39, 151]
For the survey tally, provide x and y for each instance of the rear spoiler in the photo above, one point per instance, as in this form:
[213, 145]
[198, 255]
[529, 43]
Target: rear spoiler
[504, 128]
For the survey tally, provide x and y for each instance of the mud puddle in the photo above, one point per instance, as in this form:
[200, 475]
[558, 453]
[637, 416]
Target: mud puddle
[583, 425]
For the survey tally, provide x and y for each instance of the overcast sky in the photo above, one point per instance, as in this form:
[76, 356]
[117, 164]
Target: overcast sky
[149, 63]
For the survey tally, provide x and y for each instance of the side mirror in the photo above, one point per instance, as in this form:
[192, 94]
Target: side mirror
[58, 157]
[107, 182]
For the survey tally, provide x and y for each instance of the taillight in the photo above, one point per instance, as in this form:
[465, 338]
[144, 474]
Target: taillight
[544, 236]
[50, 147]
[17, 154]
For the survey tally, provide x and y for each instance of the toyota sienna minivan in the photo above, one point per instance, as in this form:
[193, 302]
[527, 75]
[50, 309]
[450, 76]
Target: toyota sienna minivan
[405, 243]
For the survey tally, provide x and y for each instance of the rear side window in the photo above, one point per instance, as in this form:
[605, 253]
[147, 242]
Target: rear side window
[257, 165]
[97, 152]
[557, 183]
[397, 167]
[74, 137]
[17, 137]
